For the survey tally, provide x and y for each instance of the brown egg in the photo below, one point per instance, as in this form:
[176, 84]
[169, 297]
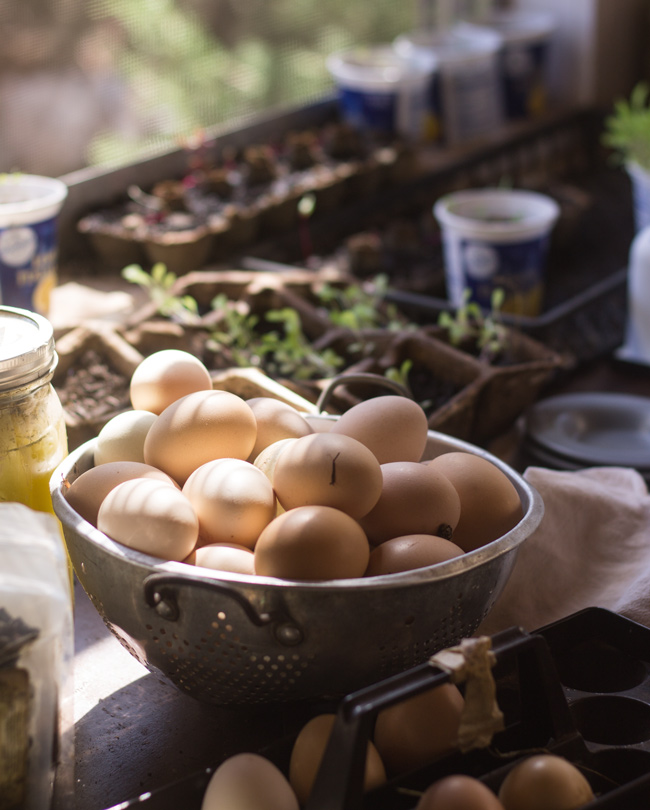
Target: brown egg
[223, 557]
[233, 500]
[165, 376]
[312, 543]
[489, 503]
[394, 428]
[248, 782]
[545, 782]
[409, 552]
[458, 792]
[412, 501]
[275, 420]
[420, 729]
[200, 427]
[150, 516]
[307, 754]
[87, 492]
[327, 469]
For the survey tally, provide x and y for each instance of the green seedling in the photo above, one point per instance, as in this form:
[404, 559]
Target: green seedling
[358, 307]
[290, 354]
[158, 284]
[284, 352]
[627, 129]
[237, 331]
[400, 374]
[470, 325]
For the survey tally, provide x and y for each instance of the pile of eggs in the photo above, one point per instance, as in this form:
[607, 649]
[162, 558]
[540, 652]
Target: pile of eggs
[407, 736]
[255, 487]
[544, 781]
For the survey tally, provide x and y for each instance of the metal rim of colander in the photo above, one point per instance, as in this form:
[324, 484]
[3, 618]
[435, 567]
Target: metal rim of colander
[534, 510]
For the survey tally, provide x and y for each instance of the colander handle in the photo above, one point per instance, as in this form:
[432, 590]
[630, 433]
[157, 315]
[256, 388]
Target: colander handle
[363, 377]
[161, 594]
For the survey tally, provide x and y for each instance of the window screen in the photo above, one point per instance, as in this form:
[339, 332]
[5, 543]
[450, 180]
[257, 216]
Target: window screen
[109, 82]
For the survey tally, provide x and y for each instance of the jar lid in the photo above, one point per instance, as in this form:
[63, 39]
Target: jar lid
[26, 347]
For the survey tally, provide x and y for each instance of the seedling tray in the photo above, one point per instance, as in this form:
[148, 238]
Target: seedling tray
[579, 688]
[585, 301]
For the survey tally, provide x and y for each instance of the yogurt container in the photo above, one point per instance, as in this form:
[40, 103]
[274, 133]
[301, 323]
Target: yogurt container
[465, 101]
[29, 205]
[640, 184]
[380, 91]
[523, 58]
[496, 238]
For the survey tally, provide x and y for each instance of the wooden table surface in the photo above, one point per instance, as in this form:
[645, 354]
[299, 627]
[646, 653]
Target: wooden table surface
[135, 733]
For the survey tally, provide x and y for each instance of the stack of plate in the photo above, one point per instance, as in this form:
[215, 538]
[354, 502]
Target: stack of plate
[573, 431]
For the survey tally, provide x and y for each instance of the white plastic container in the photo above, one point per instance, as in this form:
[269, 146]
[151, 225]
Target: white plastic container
[496, 238]
[36, 649]
[29, 205]
[523, 59]
[637, 333]
[379, 91]
[465, 100]
[640, 180]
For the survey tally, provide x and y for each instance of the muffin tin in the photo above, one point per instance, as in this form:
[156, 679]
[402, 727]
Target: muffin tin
[579, 688]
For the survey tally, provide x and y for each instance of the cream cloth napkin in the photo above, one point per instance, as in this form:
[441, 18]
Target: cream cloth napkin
[591, 549]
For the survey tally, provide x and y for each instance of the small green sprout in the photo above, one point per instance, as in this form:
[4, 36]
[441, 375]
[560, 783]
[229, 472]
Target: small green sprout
[627, 128]
[470, 325]
[400, 374]
[158, 284]
[358, 306]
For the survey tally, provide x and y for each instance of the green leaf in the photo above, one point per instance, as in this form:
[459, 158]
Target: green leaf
[134, 274]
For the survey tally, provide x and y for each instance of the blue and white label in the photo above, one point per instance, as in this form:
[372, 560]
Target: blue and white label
[18, 246]
[481, 267]
[523, 69]
[365, 110]
[481, 261]
[28, 255]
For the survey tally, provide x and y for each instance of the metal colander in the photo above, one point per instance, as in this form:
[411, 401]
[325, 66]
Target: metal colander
[231, 639]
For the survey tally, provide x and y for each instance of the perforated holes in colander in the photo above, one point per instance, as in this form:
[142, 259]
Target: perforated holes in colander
[124, 639]
[220, 667]
[416, 645]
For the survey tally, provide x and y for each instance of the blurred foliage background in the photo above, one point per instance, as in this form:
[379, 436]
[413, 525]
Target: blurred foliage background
[106, 82]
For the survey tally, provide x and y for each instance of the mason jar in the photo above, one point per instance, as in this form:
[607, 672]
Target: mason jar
[33, 437]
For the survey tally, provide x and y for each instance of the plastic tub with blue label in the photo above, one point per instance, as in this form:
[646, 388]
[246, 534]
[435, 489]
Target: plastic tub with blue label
[381, 92]
[465, 94]
[29, 206]
[496, 238]
[523, 58]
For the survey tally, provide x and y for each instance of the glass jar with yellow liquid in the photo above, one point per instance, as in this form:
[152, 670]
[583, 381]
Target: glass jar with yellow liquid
[32, 428]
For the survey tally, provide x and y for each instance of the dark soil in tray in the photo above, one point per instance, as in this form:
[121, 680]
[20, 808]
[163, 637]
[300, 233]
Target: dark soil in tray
[223, 183]
[430, 391]
[92, 391]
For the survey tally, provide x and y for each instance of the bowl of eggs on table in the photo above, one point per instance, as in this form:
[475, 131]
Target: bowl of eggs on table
[252, 553]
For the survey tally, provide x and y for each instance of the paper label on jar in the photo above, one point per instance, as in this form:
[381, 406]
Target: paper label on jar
[28, 255]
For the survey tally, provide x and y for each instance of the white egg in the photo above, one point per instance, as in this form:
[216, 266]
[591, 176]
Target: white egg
[122, 437]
